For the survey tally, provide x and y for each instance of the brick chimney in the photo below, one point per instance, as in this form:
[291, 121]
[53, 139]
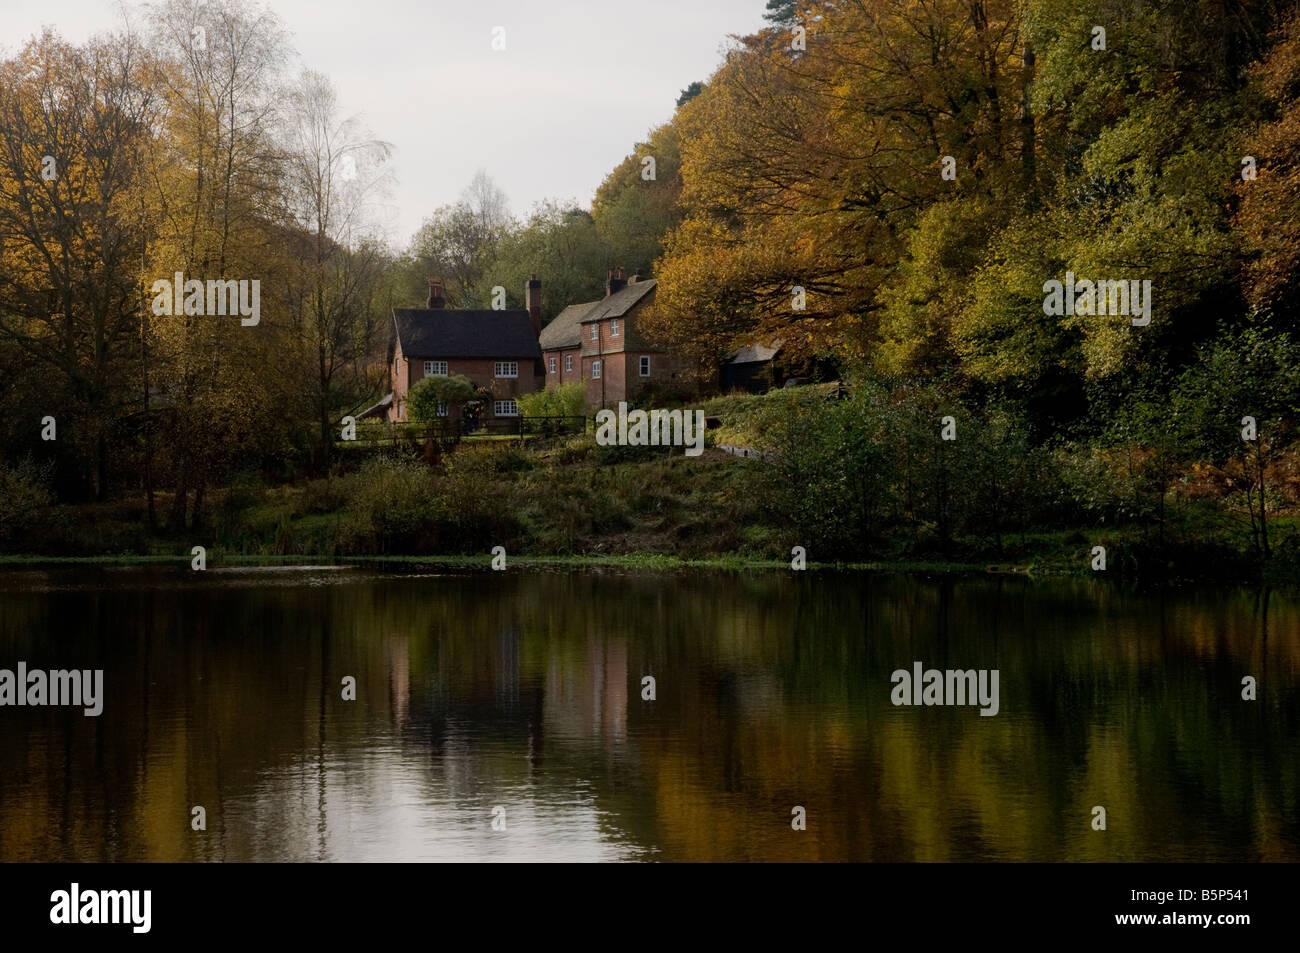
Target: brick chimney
[533, 301]
[436, 301]
[614, 285]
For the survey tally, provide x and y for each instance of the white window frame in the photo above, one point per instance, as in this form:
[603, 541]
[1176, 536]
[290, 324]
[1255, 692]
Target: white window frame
[595, 330]
[505, 369]
[442, 410]
[431, 369]
[595, 370]
[613, 327]
[568, 362]
[645, 365]
[500, 408]
[554, 364]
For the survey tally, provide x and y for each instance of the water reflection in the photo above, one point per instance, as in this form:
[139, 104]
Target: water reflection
[524, 691]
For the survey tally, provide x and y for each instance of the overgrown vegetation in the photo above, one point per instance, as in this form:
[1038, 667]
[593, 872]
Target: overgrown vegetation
[863, 478]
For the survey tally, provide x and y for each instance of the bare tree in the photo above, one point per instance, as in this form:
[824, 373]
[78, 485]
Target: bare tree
[334, 169]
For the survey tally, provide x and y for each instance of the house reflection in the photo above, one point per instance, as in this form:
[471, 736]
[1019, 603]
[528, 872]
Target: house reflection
[397, 655]
[587, 697]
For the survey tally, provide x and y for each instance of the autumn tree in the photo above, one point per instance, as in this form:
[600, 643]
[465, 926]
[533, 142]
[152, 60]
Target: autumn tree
[218, 185]
[1269, 214]
[75, 125]
[802, 175]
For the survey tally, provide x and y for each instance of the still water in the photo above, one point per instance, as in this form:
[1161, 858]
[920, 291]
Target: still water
[523, 691]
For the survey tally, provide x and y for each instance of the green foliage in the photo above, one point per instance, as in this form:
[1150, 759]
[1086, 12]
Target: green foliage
[689, 93]
[1252, 372]
[560, 245]
[431, 392]
[563, 400]
[848, 473]
[782, 13]
[634, 215]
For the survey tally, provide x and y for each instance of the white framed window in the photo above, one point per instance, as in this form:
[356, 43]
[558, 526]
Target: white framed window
[613, 327]
[554, 365]
[506, 369]
[595, 370]
[505, 408]
[645, 366]
[442, 410]
[435, 368]
[595, 331]
[568, 362]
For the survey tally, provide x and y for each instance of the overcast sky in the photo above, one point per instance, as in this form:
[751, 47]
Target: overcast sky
[580, 81]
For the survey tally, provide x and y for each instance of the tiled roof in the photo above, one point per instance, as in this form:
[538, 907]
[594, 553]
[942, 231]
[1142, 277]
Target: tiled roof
[620, 302]
[565, 329]
[444, 333]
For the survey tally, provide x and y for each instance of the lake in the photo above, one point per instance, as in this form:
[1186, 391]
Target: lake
[500, 716]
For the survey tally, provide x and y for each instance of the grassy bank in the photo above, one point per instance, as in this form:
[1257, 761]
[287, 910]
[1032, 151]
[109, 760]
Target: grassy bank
[861, 482]
[573, 504]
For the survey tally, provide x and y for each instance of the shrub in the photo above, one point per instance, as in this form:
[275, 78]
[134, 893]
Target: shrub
[23, 491]
[564, 400]
[430, 392]
[322, 496]
[389, 508]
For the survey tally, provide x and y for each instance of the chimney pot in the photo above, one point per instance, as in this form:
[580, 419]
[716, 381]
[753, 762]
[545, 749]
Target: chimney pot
[613, 284]
[436, 300]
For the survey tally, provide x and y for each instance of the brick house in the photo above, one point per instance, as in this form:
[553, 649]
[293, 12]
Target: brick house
[496, 350]
[561, 344]
[599, 343]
